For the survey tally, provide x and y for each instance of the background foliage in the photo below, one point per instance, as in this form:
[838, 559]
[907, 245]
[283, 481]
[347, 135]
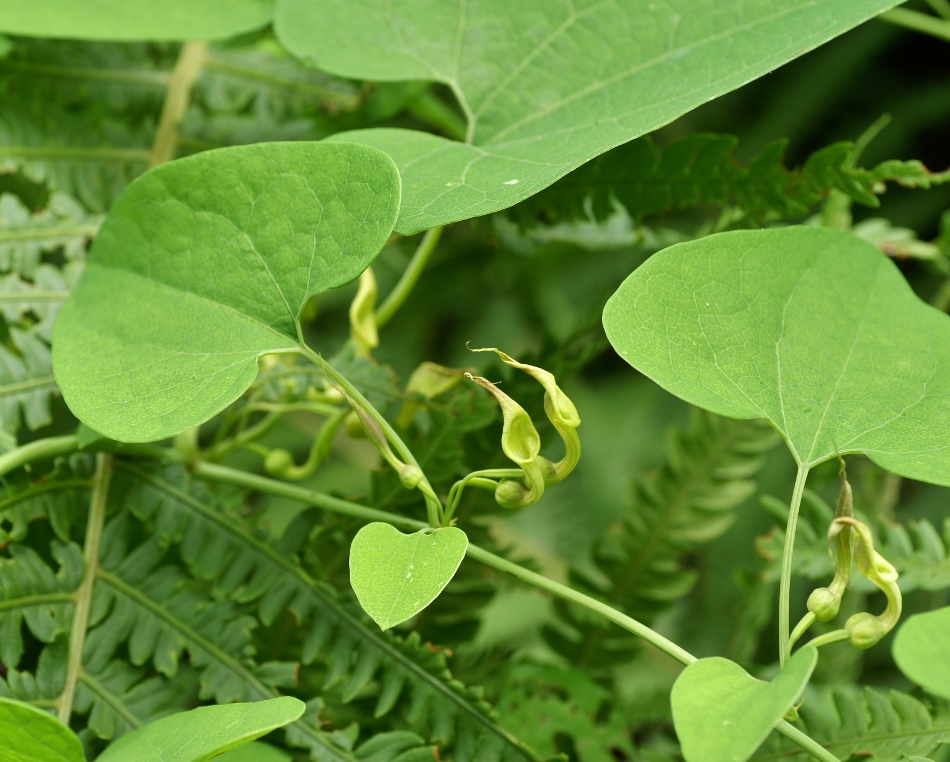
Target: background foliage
[211, 593]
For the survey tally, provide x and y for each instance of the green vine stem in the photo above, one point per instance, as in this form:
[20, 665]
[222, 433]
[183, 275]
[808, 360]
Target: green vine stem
[433, 504]
[227, 475]
[784, 601]
[408, 280]
[41, 449]
[800, 629]
[77, 637]
[919, 22]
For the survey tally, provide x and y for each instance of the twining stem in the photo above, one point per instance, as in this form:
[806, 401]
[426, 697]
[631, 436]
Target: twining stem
[800, 629]
[433, 504]
[408, 280]
[97, 519]
[186, 71]
[835, 636]
[919, 22]
[282, 489]
[785, 585]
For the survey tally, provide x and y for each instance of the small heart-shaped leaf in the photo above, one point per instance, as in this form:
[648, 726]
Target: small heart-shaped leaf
[28, 734]
[922, 650]
[203, 733]
[396, 575]
[723, 714]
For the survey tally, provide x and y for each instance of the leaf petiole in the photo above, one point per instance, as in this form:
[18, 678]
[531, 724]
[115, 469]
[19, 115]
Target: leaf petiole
[786, 580]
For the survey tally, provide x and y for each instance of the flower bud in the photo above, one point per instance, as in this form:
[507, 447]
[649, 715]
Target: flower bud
[410, 475]
[278, 462]
[363, 315]
[865, 630]
[824, 604]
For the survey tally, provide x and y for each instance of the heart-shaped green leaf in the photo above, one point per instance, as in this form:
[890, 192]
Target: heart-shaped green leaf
[203, 265]
[810, 328]
[723, 714]
[922, 650]
[546, 84]
[28, 734]
[203, 733]
[396, 575]
[124, 20]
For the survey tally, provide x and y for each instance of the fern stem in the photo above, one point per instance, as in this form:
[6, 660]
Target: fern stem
[77, 638]
[186, 71]
[24, 386]
[42, 449]
[919, 22]
[110, 698]
[785, 586]
[44, 234]
[36, 600]
[409, 278]
[75, 153]
[344, 101]
[112, 76]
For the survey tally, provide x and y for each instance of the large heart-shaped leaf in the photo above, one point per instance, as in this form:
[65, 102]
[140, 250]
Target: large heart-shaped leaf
[396, 575]
[124, 20]
[203, 733]
[547, 84]
[723, 714]
[204, 264]
[922, 650]
[28, 734]
[813, 329]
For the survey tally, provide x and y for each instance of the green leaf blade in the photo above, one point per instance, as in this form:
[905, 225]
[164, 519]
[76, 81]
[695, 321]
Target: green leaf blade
[395, 575]
[723, 714]
[203, 733]
[922, 650]
[32, 735]
[810, 328]
[548, 86]
[209, 261]
[121, 21]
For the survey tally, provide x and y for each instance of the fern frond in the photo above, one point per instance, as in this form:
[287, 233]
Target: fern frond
[357, 657]
[120, 698]
[30, 298]
[700, 170]
[887, 728]
[25, 236]
[917, 550]
[32, 592]
[61, 498]
[690, 500]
